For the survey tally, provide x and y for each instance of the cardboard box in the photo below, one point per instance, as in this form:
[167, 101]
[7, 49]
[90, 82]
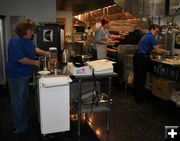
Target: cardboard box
[162, 88]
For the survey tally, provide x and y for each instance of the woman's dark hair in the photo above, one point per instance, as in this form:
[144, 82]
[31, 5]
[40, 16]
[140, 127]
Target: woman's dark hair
[154, 26]
[104, 21]
[24, 25]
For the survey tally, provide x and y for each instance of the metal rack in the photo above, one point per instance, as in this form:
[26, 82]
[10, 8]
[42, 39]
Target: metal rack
[86, 108]
[125, 62]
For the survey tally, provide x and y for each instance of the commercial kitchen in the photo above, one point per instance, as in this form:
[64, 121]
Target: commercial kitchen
[74, 97]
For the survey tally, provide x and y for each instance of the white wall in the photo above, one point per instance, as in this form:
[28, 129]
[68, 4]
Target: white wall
[37, 10]
[14, 10]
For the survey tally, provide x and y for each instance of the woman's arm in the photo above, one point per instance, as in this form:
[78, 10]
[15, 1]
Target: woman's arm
[159, 50]
[41, 52]
[103, 42]
[28, 61]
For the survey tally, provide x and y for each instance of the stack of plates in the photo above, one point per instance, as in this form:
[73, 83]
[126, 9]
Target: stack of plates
[44, 72]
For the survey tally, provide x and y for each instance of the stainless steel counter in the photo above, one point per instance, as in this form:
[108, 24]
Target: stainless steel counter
[166, 69]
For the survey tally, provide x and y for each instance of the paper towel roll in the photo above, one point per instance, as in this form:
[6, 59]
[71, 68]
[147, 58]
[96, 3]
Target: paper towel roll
[53, 81]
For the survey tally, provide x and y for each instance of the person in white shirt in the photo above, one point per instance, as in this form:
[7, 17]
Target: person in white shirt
[99, 50]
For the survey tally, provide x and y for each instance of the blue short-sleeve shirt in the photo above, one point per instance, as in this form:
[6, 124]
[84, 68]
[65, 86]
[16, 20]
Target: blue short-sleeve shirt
[146, 43]
[19, 48]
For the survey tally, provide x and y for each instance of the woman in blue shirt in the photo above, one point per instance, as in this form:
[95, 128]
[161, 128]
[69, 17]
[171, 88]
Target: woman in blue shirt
[19, 69]
[147, 44]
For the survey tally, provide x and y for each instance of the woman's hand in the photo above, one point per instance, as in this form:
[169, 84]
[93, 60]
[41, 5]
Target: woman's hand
[28, 61]
[37, 63]
[163, 51]
[46, 53]
[42, 52]
[159, 50]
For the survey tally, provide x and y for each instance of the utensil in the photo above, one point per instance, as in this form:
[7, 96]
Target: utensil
[45, 64]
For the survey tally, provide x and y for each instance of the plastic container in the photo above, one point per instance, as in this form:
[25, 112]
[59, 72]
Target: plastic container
[53, 59]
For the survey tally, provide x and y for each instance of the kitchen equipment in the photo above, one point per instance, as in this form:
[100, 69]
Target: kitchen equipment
[65, 56]
[54, 104]
[78, 61]
[172, 42]
[101, 66]
[53, 59]
[50, 35]
[45, 64]
[53, 52]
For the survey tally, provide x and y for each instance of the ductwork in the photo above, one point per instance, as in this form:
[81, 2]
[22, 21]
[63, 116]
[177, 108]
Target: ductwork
[143, 8]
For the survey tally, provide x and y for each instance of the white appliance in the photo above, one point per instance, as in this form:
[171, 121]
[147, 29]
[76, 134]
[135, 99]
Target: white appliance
[172, 42]
[99, 66]
[54, 108]
[76, 71]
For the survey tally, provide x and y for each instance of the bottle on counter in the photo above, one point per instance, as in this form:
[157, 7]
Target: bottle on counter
[55, 67]
[65, 56]
[45, 64]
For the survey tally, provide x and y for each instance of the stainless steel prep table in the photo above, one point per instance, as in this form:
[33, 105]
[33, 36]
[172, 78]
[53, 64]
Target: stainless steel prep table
[106, 107]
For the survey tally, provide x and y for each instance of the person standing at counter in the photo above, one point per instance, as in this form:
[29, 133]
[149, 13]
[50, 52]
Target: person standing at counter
[99, 50]
[147, 45]
[19, 69]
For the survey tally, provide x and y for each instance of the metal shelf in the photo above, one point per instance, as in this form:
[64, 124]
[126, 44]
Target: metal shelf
[95, 108]
[89, 107]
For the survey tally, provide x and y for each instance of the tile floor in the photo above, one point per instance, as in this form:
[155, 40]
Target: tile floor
[128, 121]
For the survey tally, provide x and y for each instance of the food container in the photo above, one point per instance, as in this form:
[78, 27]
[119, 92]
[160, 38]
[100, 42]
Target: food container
[53, 59]
[53, 52]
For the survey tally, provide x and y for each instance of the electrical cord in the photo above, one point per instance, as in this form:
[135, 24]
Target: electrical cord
[96, 98]
[96, 94]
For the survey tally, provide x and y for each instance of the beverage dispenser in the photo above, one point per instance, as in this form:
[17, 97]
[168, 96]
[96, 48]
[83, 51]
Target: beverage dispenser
[53, 59]
[51, 35]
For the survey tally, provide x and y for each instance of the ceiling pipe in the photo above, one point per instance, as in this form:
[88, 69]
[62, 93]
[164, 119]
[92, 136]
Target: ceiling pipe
[143, 5]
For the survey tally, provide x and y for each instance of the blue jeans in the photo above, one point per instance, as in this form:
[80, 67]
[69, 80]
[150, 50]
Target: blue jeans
[19, 89]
